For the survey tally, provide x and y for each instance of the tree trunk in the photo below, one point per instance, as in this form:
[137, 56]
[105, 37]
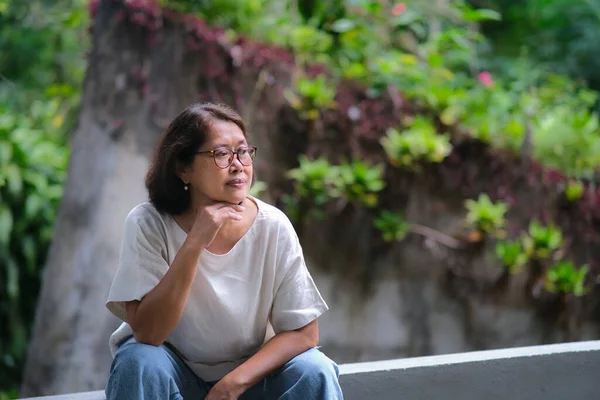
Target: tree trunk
[132, 89]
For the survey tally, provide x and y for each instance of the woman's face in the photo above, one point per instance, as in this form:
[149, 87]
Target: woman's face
[208, 182]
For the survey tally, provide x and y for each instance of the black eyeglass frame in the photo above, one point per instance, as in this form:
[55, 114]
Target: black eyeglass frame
[232, 155]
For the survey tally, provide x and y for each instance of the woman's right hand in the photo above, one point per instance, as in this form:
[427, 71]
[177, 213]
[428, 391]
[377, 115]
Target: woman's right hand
[210, 219]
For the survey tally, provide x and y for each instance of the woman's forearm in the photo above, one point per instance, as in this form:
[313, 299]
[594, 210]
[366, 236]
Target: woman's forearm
[280, 349]
[156, 315]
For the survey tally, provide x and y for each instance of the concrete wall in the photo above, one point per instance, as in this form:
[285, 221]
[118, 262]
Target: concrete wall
[563, 371]
[416, 316]
[559, 371]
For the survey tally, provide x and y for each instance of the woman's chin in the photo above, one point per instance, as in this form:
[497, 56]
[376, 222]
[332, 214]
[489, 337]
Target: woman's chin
[236, 198]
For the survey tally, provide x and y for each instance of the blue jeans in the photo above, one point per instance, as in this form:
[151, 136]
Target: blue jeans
[141, 371]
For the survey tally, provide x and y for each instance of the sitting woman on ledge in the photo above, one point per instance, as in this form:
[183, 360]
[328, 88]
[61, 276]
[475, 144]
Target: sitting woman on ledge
[205, 269]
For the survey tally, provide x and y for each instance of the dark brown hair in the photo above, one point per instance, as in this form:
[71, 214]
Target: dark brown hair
[178, 146]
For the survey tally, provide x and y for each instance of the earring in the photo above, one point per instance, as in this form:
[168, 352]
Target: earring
[185, 187]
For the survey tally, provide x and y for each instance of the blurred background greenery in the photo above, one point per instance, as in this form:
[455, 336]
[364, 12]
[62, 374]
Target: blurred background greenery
[509, 73]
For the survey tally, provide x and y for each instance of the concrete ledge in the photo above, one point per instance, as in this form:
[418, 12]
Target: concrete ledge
[97, 395]
[558, 371]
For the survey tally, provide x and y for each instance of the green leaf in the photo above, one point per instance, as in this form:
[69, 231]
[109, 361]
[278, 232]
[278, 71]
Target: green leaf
[12, 279]
[74, 19]
[482, 15]
[14, 180]
[37, 180]
[574, 190]
[406, 18]
[435, 60]
[343, 25]
[355, 71]
[5, 152]
[6, 224]
[7, 121]
[450, 115]
[33, 205]
[28, 247]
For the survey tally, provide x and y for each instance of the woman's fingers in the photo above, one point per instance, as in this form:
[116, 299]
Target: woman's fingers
[231, 212]
[221, 205]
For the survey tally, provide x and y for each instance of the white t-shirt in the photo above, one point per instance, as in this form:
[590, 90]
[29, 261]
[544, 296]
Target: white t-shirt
[261, 281]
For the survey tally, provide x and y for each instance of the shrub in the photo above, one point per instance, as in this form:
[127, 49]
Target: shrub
[392, 225]
[512, 254]
[33, 159]
[484, 215]
[419, 143]
[359, 182]
[565, 278]
[541, 240]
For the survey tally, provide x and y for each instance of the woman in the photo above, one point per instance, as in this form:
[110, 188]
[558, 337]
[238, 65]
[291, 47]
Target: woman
[204, 270]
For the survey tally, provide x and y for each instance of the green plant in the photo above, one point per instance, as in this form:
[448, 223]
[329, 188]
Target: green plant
[435, 55]
[320, 181]
[357, 181]
[42, 66]
[392, 225]
[314, 179]
[484, 215]
[560, 35]
[234, 14]
[565, 278]
[574, 190]
[541, 240]
[11, 394]
[33, 159]
[419, 143]
[577, 150]
[313, 96]
[512, 255]
[501, 125]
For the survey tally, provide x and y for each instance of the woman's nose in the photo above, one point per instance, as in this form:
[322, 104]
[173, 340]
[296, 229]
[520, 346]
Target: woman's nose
[236, 163]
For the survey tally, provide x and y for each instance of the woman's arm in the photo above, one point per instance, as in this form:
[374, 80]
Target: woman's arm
[280, 349]
[154, 317]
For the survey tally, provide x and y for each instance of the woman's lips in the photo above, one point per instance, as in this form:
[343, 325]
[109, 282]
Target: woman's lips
[237, 183]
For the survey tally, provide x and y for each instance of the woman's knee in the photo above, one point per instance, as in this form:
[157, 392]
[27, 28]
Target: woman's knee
[140, 359]
[315, 365]
[308, 375]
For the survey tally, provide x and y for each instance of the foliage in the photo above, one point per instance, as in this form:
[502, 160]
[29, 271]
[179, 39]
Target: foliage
[41, 70]
[313, 96]
[392, 225]
[484, 215]
[542, 240]
[419, 143]
[576, 149]
[565, 278]
[512, 254]
[574, 190]
[561, 35]
[438, 58]
[11, 394]
[359, 182]
[234, 14]
[314, 179]
[41, 50]
[320, 181]
[33, 159]
[501, 124]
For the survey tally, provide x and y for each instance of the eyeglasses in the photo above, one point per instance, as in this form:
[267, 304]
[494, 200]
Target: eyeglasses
[224, 157]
